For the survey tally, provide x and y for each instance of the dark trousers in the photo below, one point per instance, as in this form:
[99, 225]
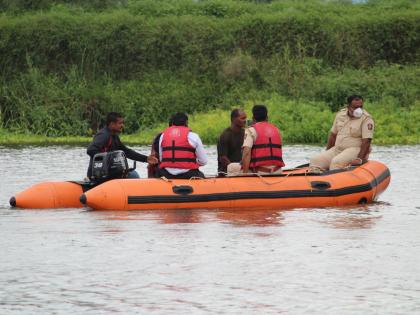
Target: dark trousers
[191, 173]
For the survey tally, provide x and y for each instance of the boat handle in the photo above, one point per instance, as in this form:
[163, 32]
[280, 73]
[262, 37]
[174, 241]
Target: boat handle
[320, 185]
[182, 189]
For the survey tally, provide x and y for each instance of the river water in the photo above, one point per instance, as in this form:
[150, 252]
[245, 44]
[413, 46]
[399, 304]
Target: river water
[353, 260]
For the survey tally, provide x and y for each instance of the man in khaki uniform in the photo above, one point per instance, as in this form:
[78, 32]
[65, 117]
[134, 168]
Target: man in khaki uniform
[349, 140]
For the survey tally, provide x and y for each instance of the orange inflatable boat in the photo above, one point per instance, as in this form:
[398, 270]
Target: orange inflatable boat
[48, 195]
[294, 188]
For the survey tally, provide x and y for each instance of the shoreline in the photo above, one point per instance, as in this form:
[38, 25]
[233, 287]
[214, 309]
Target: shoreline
[20, 140]
[300, 122]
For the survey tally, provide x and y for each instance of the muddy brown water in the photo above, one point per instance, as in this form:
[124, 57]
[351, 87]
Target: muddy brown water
[353, 260]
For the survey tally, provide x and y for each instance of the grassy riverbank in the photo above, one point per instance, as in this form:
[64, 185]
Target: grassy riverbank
[311, 124]
[65, 64]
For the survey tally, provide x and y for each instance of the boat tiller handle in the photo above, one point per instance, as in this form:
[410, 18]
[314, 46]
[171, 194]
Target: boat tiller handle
[182, 189]
[132, 168]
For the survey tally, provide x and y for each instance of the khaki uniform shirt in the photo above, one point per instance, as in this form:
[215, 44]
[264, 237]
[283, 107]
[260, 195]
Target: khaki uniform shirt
[350, 130]
[249, 137]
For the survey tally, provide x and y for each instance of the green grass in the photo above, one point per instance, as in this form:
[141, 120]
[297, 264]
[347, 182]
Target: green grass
[299, 121]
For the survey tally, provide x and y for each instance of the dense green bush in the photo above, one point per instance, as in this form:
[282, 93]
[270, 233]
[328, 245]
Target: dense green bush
[71, 104]
[311, 78]
[21, 6]
[124, 45]
[46, 104]
[64, 63]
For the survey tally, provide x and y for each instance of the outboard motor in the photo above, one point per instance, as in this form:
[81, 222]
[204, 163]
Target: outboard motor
[109, 165]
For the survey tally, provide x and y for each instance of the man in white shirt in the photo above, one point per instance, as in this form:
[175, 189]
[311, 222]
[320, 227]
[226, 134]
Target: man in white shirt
[181, 151]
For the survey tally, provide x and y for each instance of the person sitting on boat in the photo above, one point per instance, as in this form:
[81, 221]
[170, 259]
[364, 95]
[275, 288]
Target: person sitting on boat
[152, 168]
[107, 140]
[262, 147]
[229, 146]
[349, 140]
[181, 151]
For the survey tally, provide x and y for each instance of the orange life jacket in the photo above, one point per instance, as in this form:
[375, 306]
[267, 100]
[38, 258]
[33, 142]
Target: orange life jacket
[177, 152]
[267, 147]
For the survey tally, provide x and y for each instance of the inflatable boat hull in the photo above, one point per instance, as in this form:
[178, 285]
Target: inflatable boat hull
[295, 188]
[49, 195]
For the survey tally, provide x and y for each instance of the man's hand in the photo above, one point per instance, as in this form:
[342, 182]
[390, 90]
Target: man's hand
[225, 161]
[152, 160]
[246, 159]
[331, 140]
[356, 161]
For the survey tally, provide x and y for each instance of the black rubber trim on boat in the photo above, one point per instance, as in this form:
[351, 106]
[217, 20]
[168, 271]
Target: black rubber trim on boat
[183, 190]
[12, 202]
[320, 185]
[362, 201]
[83, 199]
[85, 185]
[261, 194]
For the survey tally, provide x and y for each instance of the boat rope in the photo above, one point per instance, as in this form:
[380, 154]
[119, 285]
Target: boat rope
[307, 179]
[165, 179]
[196, 177]
[262, 177]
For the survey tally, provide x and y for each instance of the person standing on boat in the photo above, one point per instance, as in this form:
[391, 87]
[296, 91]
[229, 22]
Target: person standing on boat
[181, 151]
[262, 147]
[349, 140]
[229, 146]
[107, 139]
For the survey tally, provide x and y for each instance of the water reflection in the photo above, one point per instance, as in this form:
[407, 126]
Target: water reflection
[354, 221]
[362, 217]
[162, 216]
[180, 216]
[251, 217]
[238, 217]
